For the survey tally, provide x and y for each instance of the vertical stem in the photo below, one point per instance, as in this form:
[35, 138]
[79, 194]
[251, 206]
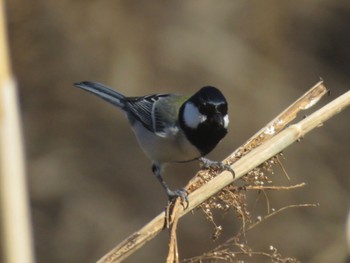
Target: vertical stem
[15, 231]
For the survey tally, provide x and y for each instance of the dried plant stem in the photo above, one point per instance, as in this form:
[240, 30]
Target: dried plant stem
[276, 212]
[224, 248]
[272, 187]
[307, 100]
[14, 213]
[173, 254]
[249, 161]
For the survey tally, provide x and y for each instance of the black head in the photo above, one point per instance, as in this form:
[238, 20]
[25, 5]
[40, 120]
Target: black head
[204, 119]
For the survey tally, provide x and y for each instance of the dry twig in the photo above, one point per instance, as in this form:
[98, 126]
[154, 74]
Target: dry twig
[226, 251]
[173, 255]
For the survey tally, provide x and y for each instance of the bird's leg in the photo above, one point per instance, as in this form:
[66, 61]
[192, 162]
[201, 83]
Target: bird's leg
[207, 164]
[157, 169]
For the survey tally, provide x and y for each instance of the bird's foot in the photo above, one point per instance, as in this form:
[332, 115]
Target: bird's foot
[182, 193]
[217, 165]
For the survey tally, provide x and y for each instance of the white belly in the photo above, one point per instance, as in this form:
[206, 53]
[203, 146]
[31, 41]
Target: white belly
[165, 150]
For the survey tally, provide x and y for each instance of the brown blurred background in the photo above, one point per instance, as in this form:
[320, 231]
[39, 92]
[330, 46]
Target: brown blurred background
[90, 184]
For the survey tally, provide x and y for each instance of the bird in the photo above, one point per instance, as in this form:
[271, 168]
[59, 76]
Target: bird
[172, 128]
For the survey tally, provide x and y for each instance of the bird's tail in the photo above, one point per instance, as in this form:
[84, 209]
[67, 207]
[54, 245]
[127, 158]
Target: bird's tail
[103, 92]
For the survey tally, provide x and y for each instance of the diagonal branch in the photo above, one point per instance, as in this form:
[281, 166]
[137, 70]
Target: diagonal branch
[242, 166]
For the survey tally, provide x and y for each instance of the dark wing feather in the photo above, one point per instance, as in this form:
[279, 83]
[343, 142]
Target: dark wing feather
[142, 107]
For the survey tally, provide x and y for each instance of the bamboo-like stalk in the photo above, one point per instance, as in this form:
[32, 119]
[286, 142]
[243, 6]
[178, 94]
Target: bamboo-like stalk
[347, 229]
[14, 213]
[248, 162]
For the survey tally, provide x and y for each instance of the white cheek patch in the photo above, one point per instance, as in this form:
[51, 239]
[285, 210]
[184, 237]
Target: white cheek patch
[226, 121]
[192, 116]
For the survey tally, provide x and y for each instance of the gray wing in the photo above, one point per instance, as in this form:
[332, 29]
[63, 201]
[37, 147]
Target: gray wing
[157, 113]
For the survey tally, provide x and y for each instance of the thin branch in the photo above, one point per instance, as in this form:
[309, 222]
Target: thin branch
[307, 100]
[242, 166]
[223, 249]
[282, 167]
[271, 187]
[276, 212]
[173, 254]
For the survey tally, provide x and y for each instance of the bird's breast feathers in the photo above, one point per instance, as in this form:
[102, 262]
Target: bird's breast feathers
[172, 148]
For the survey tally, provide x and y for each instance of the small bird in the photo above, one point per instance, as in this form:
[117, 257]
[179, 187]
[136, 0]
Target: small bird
[171, 127]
